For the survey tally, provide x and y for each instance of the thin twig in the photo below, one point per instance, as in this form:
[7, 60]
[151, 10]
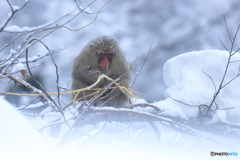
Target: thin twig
[145, 105]
[139, 71]
[229, 36]
[12, 13]
[57, 81]
[53, 29]
[211, 80]
[228, 62]
[130, 111]
[38, 83]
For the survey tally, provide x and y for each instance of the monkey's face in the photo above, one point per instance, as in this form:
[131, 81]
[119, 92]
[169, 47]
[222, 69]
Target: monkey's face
[105, 60]
[103, 54]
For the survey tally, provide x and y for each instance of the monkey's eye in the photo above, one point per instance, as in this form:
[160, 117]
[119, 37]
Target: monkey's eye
[109, 55]
[112, 54]
[101, 54]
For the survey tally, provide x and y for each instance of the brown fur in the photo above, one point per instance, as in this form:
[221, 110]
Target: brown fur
[86, 70]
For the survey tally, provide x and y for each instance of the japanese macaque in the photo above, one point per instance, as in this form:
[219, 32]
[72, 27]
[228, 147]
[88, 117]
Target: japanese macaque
[101, 56]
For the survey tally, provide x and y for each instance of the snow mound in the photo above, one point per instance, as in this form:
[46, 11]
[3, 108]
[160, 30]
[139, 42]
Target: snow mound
[16, 134]
[188, 78]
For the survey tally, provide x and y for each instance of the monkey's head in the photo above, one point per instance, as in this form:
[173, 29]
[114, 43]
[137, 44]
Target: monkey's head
[101, 56]
[104, 53]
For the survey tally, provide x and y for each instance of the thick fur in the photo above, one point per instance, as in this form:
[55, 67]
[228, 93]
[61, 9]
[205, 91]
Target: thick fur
[86, 70]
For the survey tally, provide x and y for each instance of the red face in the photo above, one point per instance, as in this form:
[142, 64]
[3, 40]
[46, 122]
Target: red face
[105, 60]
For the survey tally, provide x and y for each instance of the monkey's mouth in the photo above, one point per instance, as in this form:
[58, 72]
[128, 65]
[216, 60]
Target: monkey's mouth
[104, 63]
[105, 60]
[105, 67]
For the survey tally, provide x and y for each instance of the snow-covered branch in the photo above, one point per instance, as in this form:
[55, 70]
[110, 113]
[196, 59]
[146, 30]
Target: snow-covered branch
[14, 10]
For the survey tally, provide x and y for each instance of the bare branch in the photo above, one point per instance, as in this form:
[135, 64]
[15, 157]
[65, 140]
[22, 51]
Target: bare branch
[39, 84]
[110, 109]
[57, 81]
[230, 81]
[183, 102]
[211, 80]
[227, 65]
[223, 45]
[139, 71]
[78, 3]
[40, 28]
[143, 105]
[35, 90]
[234, 61]
[229, 36]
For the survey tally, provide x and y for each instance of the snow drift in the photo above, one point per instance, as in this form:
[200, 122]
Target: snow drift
[187, 77]
[17, 136]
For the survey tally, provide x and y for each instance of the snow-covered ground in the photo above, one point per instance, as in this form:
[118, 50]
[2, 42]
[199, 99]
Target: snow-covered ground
[186, 82]
[17, 137]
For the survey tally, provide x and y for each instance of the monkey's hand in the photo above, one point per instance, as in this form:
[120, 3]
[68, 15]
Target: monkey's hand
[87, 75]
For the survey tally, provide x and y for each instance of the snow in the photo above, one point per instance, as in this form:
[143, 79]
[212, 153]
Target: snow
[184, 76]
[36, 105]
[15, 8]
[20, 140]
[185, 81]
[17, 136]
[18, 67]
[173, 28]
[15, 28]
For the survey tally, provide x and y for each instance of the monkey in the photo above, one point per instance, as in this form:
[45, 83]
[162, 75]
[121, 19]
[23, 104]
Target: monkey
[101, 56]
